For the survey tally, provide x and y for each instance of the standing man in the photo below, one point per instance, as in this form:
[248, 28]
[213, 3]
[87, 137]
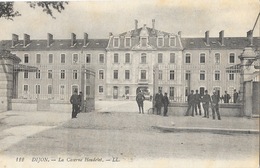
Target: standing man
[215, 105]
[226, 97]
[205, 103]
[165, 104]
[235, 96]
[159, 102]
[197, 102]
[74, 100]
[191, 103]
[140, 101]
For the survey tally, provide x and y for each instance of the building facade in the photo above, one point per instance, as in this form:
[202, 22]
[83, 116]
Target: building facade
[143, 58]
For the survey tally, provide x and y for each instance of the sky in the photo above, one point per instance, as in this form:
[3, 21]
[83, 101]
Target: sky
[99, 17]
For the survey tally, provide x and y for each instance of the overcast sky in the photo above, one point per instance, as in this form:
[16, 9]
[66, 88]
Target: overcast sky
[99, 17]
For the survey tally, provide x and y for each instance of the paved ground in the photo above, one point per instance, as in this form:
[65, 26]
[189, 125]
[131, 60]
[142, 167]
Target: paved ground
[128, 136]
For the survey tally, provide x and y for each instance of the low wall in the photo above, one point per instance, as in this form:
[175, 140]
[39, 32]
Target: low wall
[230, 110]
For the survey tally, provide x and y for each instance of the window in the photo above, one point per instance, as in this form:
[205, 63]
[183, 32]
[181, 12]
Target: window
[231, 76]
[127, 74]
[49, 89]
[62, 89]
[127, 42]
[26, 75]
[127, 90]
[50, 58]
[217, 75]
[202, 75]
[143, 74]
[115, 74]
[232, 58]
[217, 58]
[171, 74]
[87, 75]
[127, 58]
[88, 58]
[38, 58]
[160, 75]
[160, 42]
[38, 74]
[116, 42]
[171, 94]
[87, 90]
[187, 58]
[49, 74]
[143, 42]
[172, 41]
[62, 58]
[101, 74]
[159, 88]
[74, 88]
[101, 58]
[25, 88]
[116, 58]
[202, 58]
[172, 58]
[38, 89]
[187, 75]
[62, 74]
[202, 90]
[100, 89]
[26, 58]
[217, 89]
[75, 58]
[143, 58]
[160, 58]
[75, 74]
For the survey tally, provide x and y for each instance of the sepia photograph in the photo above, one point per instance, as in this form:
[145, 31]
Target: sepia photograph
[130, 84]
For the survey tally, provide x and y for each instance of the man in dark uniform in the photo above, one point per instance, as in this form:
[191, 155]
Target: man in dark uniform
[165, 104]
[235, 96]
[205, 103]
[197, 102]
[191, 103]
[215, 105]
[74, 100]
[159, 102]
[140, 101]
[226, 97]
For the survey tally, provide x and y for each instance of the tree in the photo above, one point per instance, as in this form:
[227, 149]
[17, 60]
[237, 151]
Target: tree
[7, 8]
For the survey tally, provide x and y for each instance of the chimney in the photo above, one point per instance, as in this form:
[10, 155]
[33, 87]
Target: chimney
[179, 33]
[136, 25]
[250, 37]
[221, 37]
[15, 40]
[85, 39]
[26, 40]
[153, 22]
[49, 39]
[207, 38]
[73, 39]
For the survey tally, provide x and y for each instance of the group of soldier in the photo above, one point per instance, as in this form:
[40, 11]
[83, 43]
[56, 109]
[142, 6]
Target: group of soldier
[76, 100]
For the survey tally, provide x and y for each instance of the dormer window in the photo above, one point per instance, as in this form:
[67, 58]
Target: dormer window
[116, 42]
[127, 42]
[172, 41]
[144, 41]
[160, 41]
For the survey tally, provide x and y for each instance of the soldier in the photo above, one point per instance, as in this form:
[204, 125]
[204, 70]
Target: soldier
[215, 105]
[235, 96]
[74, 100]
[159, 102]
[165, 103]
[191, 103]
[140, 101]
[197, 102]
[205, 103]
[226, 97]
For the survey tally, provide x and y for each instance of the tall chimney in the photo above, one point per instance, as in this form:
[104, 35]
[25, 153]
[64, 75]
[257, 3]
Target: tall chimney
[73, 39]
[153, 23]
[221, 37]
[26, 40]
[85, 39]
[49, 39]
[207, 37]
[250, 37]
[15, 40]
[136, 25]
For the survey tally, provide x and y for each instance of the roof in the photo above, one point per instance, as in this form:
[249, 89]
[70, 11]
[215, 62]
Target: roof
[61, 44]
[229, 43]
[149, 30]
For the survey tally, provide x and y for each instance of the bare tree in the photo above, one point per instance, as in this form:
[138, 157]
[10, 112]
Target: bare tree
[7, 8]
